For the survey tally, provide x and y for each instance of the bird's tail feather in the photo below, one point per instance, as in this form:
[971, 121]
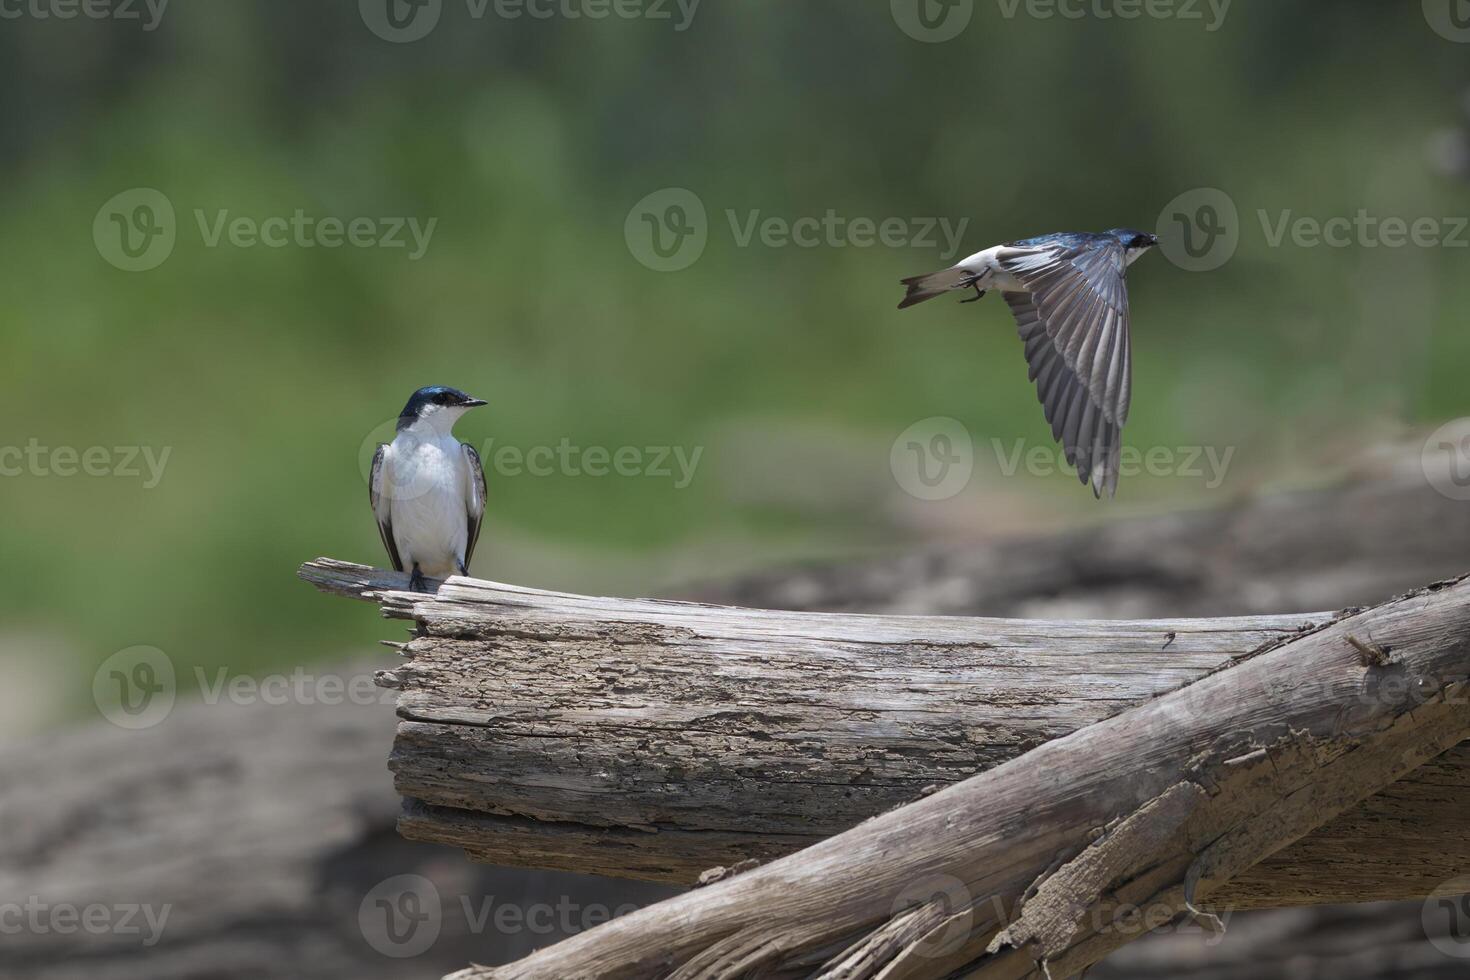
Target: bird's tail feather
[923, 288]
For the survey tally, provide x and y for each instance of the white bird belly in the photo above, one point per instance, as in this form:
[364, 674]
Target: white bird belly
[428, 510]
[986, 264]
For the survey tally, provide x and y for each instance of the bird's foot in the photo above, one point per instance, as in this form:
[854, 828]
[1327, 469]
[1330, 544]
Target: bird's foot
[416, 581]
[969, 282]
[463, 568]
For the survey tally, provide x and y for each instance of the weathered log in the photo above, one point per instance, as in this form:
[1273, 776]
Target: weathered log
[1025, 868]
[237, 840]
[656, 740]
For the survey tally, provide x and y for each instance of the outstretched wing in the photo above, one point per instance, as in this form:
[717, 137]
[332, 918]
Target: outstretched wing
[474, 500]
[380, 499]
[1073, 318]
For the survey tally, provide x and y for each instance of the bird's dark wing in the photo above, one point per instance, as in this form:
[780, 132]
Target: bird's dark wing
[380, 502]
[1073, 318]
[474, 500]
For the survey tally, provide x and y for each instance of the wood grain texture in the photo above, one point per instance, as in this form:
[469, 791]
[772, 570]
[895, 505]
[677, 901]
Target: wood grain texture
[253, 832]
[1023, 869]
[656, 740]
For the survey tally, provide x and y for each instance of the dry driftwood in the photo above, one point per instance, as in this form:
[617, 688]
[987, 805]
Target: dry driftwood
[657, 740]
[250, 832]
[1028, 867]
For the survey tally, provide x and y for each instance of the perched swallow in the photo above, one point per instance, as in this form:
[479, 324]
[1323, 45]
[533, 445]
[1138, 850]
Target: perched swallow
[1069, 295]
[428, 489]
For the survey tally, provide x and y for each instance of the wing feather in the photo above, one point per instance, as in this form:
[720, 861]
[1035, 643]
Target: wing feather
[474, 501]
[1072, 315]
[382, 470]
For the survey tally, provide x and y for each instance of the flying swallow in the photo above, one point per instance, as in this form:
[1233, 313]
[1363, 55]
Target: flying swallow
[1069, 295]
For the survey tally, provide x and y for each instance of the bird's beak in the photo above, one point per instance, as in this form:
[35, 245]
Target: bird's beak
[475, 403]
[1153, 240]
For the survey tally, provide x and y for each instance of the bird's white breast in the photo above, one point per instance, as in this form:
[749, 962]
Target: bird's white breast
[428, 503]
[988, 263]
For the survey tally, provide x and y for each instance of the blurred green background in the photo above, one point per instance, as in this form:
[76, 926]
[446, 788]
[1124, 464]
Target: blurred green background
[264, 371]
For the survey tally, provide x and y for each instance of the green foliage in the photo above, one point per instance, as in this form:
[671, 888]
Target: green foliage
[263, 370]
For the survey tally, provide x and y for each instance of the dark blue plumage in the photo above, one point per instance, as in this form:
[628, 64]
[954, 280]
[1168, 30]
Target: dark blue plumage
[433, 395]
[1079, 240]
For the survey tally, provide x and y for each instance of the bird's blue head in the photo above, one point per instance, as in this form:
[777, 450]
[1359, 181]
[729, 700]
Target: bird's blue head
[437, 402]
[1132, 238]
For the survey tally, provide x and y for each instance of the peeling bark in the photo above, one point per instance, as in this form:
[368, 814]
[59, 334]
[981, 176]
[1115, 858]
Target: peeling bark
[1156, 808]
[655, 740]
